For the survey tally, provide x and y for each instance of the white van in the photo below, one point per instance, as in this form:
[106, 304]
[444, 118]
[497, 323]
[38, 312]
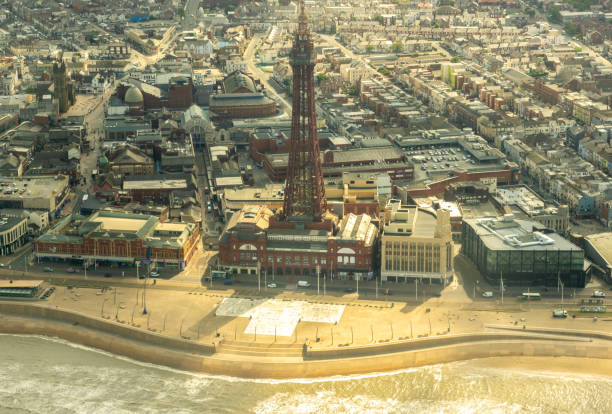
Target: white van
[487, 294]
[303, 284]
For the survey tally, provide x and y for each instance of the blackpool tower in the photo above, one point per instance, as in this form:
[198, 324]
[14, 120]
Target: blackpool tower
[304, 189]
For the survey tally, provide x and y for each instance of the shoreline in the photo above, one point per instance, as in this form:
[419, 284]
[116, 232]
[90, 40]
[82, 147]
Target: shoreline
[140, 345]
[541, 365]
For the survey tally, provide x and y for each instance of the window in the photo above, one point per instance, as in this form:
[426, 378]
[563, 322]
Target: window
[340, 259]
[323, 260]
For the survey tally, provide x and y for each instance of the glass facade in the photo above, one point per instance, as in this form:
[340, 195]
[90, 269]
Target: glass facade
[524, 266]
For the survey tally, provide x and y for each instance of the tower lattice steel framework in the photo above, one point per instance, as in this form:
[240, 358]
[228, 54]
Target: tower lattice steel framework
[304, 189]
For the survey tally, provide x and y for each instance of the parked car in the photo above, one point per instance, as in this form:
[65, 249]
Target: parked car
[154, 273]
[303, 284]
[559, 313]
[349, 290]
[48, 269]
[487, 294]
[107, 275]
[228, 282]
[71, 270]
[599, 294]
[272, 285]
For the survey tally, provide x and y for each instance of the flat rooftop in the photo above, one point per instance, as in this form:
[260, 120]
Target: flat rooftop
[12, 188]
[136, 184]
[20, 284]
[434, 162]
[121, 224]
[8, 222]
[506, 233]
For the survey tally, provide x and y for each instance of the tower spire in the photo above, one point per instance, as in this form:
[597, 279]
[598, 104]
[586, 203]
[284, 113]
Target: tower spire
[304, 189]
[302, 18]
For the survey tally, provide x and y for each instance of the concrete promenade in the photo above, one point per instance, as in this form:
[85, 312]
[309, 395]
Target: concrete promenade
[297, 360]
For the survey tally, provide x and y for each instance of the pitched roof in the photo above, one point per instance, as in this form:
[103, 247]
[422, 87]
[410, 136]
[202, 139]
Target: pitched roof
[236, 81]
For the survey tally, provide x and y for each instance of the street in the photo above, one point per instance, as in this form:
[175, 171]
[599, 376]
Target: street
[249, 56]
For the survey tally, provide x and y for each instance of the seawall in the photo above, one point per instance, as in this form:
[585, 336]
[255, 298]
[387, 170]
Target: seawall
[142, 345]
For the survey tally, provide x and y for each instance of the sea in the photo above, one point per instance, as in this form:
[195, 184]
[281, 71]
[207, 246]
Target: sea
[47, 375]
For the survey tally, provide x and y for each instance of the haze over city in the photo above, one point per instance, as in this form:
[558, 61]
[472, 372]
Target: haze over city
[305, 206]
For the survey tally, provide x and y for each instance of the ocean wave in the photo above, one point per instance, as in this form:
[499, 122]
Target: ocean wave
[330, 402]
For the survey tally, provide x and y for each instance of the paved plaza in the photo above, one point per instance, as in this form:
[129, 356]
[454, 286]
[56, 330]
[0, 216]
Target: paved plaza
[278, 317]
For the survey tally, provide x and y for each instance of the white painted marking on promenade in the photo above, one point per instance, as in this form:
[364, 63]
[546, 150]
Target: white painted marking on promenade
[268, 314]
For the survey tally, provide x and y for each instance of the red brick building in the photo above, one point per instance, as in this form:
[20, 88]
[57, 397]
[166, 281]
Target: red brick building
[152, 188]
[242, 105]
[180, 93]
[118, 237]
[252, 238]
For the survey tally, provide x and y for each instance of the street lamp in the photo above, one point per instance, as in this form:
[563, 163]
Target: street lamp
[144, 293]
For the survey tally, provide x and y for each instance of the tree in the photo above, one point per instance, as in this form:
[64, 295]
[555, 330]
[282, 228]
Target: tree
[369, 48]
[397, 47]
[455, 59]
[322, 77]
[383, 70]
[537, 73]
[378, 18]
[554, 14]
[571, 29]
[351, 91]
[530, 12]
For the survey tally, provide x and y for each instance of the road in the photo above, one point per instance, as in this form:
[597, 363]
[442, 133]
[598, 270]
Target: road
[95, 135]
[138, 60]
[331, 40]
[257, 73]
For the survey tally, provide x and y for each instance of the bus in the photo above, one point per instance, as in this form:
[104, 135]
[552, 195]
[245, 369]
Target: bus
[531, 296]
[218, 274]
